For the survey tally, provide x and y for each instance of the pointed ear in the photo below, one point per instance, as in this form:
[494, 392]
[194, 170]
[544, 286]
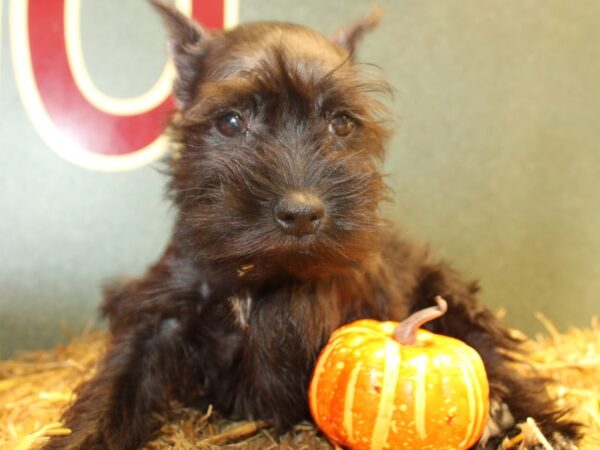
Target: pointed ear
[186, 45]
[348, 36]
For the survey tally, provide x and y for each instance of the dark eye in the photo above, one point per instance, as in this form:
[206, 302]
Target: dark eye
[342, 125]
[230, 124]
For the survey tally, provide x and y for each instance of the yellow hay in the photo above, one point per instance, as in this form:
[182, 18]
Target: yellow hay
[36, 386]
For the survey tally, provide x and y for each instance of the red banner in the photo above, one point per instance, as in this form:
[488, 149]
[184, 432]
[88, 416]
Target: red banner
[74, 118]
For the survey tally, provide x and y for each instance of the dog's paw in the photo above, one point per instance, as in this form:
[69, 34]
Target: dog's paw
[534, 440]
[500, 421]
[559, 442]
[502, 432]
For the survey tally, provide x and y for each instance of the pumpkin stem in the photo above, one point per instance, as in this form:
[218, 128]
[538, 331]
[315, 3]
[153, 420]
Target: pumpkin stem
[406, 331]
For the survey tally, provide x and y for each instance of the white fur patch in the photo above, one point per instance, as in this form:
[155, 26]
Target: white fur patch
[241, 307]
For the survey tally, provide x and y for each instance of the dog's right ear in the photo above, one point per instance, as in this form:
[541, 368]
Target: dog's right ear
[187, 42]
[350, 35]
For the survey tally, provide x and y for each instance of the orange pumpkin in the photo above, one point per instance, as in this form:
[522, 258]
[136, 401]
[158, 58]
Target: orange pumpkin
[384, 385]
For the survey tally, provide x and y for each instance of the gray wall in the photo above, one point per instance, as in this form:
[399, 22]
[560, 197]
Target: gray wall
[495, 162]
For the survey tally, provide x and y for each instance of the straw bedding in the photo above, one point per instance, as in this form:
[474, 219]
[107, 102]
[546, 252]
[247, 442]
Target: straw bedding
[36, 386]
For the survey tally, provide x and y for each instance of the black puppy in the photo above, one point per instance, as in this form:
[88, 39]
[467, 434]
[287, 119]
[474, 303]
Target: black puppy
[278, 241]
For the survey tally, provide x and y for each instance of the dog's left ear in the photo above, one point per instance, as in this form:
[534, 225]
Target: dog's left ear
[348, 36]
[187, 44]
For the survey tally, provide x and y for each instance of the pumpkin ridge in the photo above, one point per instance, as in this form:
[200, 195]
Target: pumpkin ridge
[420, 363]
[318, 371]
[480, 410]
[349, 400]
[471, 401]
[386, 402]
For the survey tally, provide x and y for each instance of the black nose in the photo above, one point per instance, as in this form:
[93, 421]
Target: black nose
[299, 213]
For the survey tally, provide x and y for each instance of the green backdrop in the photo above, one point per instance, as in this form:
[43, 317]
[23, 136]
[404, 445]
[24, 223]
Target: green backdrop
[495, 161]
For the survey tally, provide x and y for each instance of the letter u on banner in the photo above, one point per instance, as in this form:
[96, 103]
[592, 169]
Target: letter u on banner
[74, 118]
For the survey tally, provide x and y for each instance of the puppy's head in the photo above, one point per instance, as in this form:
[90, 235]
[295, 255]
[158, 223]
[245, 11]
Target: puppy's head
[280, 143]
